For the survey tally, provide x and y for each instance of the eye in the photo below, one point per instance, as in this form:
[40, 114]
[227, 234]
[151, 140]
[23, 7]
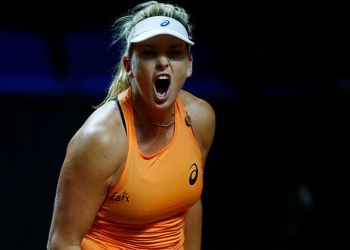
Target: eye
[148, 53]
[175, 53]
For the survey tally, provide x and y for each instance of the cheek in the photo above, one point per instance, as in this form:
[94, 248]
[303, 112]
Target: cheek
[182, 73]
[136, 67]
[187, 69]
[143, 65]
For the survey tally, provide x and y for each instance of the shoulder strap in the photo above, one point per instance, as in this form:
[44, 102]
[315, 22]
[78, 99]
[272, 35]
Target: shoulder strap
[121, 111]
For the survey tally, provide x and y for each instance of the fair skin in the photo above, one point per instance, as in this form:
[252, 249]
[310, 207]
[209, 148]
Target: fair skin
[96, 154]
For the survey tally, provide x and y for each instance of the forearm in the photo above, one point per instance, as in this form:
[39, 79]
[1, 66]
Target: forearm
[59, 241]
[59, 244]
[193, 227]
[63, 248]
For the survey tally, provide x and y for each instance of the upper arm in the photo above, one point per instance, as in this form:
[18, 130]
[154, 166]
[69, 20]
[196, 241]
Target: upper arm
[205, 125]
[203, 122]
[93, 156]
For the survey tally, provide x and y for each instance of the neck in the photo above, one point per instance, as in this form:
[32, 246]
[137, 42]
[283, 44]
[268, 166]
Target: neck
[150, 121]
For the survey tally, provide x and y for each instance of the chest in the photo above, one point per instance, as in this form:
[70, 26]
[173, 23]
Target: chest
[157, 186]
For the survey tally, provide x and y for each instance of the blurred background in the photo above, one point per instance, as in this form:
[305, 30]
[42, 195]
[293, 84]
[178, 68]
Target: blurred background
[276, 74]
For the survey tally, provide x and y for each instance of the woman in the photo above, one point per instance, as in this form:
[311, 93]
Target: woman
[133, 173]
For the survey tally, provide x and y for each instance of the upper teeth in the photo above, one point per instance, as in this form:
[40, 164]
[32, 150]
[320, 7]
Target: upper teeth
[163, 77]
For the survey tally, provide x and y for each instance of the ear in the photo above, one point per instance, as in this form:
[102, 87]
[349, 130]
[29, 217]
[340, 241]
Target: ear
[189, 68]
[127, 66]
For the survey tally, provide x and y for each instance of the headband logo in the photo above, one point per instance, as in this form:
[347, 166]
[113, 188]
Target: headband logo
[165, 23]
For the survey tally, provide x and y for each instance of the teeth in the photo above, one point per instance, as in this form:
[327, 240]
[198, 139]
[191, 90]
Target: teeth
[161, 95]
[162, 77]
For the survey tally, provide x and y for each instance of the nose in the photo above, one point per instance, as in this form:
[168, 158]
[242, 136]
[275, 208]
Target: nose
[162, 62]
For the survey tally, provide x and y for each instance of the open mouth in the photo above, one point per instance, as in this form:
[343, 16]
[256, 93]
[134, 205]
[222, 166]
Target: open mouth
[162, 86]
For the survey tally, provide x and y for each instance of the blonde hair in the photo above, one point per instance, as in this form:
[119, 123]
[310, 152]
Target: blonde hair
[121, 29]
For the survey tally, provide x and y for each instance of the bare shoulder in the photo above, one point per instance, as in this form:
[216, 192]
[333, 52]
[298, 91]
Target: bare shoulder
[99, 146]
[199, 109]
[203, 119]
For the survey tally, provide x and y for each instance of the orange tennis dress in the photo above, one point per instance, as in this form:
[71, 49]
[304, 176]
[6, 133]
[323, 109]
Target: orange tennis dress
[146, 208]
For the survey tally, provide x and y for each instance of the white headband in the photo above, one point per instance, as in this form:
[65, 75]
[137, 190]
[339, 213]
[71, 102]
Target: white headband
[158, 25]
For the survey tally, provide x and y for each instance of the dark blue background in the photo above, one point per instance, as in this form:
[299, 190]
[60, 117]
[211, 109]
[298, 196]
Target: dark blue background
[277, 76]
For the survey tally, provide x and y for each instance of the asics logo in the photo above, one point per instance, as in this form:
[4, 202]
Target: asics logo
[194, 174]
[165, 23]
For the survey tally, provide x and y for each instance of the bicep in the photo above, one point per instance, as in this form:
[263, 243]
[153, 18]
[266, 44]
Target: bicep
[77, 200]
[84, 179]
[204, 126]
